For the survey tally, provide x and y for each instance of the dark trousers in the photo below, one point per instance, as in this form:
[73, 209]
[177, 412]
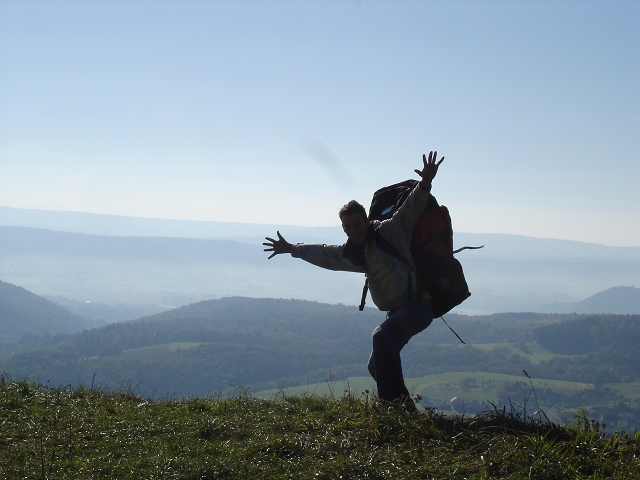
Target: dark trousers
[388, 339]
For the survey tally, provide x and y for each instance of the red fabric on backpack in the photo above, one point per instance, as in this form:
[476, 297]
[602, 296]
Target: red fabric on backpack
[433, 231]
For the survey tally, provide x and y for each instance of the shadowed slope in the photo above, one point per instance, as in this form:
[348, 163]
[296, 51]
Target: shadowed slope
[23, 312]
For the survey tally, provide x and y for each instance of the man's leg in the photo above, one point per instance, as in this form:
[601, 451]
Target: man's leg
[388, 339]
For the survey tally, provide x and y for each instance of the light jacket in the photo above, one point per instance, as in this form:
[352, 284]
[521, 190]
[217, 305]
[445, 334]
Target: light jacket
[392, 283]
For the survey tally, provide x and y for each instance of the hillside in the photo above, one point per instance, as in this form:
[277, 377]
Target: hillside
[210, 346]
[615, 300]
[620, 300]
[263, 344]
[103, 313]
[589, 333]
[61, 433]
[24, 313]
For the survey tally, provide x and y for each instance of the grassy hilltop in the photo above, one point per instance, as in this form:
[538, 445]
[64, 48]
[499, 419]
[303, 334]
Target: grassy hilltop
[81, 433]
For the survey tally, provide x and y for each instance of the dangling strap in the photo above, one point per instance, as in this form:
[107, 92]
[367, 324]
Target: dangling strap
[454, 332]
[365, 289]
[467, 248]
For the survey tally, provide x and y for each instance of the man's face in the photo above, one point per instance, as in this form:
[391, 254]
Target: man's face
[356, 227]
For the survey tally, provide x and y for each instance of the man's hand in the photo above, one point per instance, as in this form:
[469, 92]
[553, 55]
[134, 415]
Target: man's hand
[277, 246]
[429, 169]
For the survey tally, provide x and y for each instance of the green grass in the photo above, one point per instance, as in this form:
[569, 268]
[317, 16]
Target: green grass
[532, 350]
[184, 345]
[62, 433]
[630, 392]
[157, 351]
[49, 433]
[480, 386]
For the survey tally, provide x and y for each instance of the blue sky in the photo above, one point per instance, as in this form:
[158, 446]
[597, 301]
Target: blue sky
[280, 112]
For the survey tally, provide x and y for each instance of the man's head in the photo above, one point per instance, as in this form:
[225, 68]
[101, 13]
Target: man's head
[354, 222]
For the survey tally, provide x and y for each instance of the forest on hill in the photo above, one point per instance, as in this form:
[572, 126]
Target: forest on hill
[261, 344]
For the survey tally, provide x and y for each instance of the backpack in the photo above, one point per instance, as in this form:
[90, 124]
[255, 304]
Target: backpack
[437, 271]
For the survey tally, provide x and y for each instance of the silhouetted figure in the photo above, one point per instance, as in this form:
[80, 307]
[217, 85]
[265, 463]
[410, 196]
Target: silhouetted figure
[392, 282]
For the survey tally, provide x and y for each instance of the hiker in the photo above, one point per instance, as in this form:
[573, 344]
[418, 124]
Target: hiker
[392, 282]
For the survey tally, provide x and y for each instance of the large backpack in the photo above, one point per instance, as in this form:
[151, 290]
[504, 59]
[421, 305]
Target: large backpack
[437, 271]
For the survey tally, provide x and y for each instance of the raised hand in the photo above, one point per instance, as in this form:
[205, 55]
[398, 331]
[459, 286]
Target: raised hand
[277, 246]
[429, 169]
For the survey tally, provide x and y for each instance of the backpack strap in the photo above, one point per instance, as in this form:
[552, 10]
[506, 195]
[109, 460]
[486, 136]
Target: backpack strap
[365, 290]
[354, 253]
[387, 248]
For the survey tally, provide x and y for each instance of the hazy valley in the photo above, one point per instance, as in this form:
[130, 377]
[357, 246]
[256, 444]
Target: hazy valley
[167, 263]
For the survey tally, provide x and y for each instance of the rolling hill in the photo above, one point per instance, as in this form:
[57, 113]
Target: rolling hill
[262, 344]
[621, 300]
[24, 313]
[615, 300]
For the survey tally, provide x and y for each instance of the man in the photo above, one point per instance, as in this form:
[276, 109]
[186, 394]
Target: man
[392, 282]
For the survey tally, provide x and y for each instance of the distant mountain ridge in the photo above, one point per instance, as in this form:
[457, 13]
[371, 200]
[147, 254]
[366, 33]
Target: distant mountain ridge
[32, 241]
[117, 225]
[621, 300]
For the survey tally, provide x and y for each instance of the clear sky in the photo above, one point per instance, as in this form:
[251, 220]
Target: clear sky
[280, 111]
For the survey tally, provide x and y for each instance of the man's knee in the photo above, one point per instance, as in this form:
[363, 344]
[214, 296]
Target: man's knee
[378, 336]
[371, 366]
[376, 331]
[382, 338]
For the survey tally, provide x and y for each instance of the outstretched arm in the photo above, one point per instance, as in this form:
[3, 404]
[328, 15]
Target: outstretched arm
[429, 169]
[277, 246]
